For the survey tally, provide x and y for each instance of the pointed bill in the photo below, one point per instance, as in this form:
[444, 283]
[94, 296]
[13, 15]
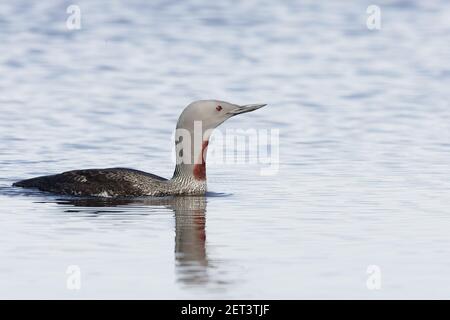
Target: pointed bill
[246, 108]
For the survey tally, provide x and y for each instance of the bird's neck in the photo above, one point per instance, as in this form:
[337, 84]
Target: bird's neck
[190, 166]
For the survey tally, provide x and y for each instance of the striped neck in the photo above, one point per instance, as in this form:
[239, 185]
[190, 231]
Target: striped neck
[190, 170]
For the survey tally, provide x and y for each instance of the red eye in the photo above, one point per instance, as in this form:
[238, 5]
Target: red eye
[218, 108]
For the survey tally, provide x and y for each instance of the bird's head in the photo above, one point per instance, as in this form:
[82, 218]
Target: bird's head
[211, 113]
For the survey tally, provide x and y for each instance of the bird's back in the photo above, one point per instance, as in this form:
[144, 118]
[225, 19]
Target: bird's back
[97, 182]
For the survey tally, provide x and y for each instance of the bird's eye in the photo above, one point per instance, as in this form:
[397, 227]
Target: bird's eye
[218, 108]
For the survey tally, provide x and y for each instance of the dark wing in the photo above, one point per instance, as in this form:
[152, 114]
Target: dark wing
[111, 181]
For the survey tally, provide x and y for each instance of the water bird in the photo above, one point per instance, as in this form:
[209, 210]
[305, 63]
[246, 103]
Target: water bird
[189, 177]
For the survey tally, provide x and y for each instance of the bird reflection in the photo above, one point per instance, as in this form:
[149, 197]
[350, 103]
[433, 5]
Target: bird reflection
[190, 240]
[191, 260]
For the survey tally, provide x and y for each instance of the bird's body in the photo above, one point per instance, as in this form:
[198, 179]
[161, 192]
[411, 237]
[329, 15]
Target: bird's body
[190, 172]
[97, 182]
[112, 182]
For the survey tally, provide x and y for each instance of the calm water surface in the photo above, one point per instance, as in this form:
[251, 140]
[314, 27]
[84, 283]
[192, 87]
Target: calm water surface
[364, 173]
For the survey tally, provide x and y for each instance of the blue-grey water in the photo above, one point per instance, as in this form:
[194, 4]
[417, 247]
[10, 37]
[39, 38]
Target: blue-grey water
[364, 146]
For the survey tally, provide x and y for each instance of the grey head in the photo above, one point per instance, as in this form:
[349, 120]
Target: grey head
[211, 113]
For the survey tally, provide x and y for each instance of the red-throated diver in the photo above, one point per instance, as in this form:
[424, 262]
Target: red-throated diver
[190, 171]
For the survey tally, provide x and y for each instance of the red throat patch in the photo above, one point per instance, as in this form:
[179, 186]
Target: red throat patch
[200, 168]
